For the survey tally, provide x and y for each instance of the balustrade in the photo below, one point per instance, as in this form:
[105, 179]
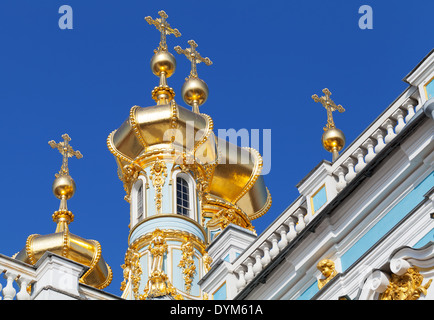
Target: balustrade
[345, 171]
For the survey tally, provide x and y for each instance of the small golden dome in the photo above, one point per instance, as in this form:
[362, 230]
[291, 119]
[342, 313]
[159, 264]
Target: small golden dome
[163, 61]
[68, 245]
[333, 140]
[194, 91]
[64, 187]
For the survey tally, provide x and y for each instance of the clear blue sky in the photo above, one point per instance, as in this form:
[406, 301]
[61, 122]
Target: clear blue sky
[269, 58]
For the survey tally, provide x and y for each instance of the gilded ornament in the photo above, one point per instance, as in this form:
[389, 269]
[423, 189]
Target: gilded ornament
[158, 178]
[66, 151]
[132, 271]
[194, 90]
[333, 139]
[130, 173]
[158, 283]
[330, 106]
[328, 270]
[194, 57]
[406, 287]
[163, 63]
[187, 263]
[164, 27]
[207, 260]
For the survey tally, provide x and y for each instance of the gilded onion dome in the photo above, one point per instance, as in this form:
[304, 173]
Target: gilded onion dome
[230, 175]
[229, 179]
[62, 242]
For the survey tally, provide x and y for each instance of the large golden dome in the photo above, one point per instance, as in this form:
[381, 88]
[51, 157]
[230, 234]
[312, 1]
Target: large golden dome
[231, 177]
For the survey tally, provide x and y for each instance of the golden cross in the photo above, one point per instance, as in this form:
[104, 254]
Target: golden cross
[66, 151]
[330, 107]
[164, 27]
[194, 57]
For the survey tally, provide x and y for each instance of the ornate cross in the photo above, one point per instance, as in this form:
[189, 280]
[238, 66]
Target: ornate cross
[164, 27]
[66, 151]
[194, 57]
[330, 107]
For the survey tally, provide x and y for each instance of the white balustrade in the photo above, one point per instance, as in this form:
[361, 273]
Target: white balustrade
[266, 258]
[300, 212]
[359, 154]
[351, 174]
[23, 283]
[283, 242]
[409, 105]
[369, 145]
[348, 166]
[274, 247]
[379, 136]
[241, 282]
[341, 183]
[291, 233]
[388, 126]
[257, 267]
[398, 115]
[9, 291]
[250, 273]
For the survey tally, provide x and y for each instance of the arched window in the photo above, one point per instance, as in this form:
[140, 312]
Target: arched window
[140, 201]
[183, 202]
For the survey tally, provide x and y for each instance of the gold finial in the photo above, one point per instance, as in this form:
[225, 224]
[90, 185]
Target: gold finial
[194, 91]
[330, 107]
[163, 63]
[64, 185]
[164, 27]
[194, 57]
[66, 151]
[333, 139]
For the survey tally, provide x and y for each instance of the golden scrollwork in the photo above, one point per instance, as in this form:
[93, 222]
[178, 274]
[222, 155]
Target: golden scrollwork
[158, 177]
[406, 287]
[130, 173]
[132, 271]
[328, 270]
[187, 263]
[222, 218]
[158, 283]
[207, 260]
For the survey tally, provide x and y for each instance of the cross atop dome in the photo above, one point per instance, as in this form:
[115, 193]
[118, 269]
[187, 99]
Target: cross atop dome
[333, 139]
[164, 27]
[330, 106]
[194, 57]
[66, 151]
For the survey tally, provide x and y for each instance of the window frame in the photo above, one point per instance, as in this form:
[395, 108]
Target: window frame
[192, 210]
[135, 217]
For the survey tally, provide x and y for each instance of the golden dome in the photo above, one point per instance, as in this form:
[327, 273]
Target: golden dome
[62, 242]
[68, 245]
[147, 131]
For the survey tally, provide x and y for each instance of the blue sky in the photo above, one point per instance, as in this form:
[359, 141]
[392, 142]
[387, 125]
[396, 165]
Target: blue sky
[269, 57]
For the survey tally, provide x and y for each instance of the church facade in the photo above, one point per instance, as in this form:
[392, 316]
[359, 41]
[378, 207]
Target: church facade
[360, 229]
